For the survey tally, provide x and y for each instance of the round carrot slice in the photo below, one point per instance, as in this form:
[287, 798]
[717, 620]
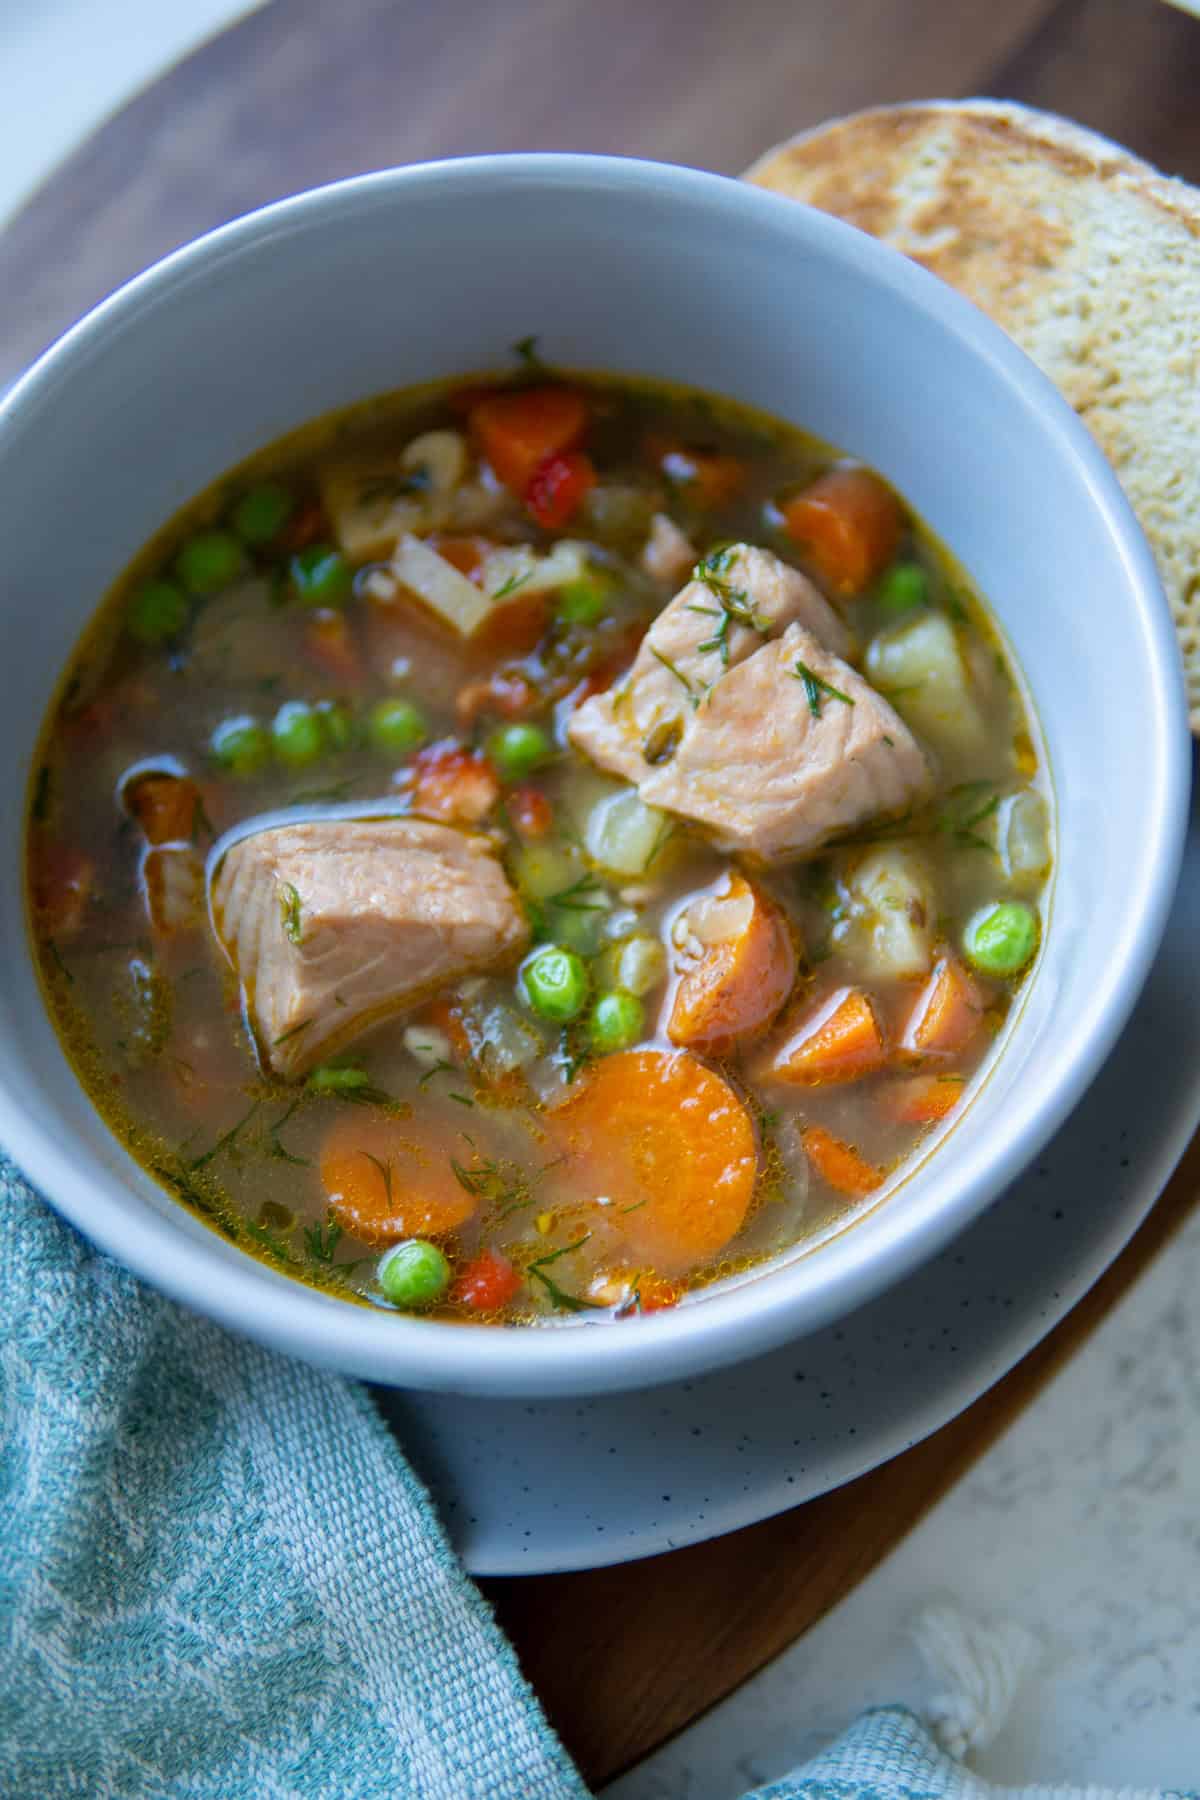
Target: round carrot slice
[386, 1180]
[668, 1146]
[738, 966]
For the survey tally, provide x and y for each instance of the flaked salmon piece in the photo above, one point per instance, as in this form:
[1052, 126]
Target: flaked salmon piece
[741, 599]
[336, 924]
[791, 749]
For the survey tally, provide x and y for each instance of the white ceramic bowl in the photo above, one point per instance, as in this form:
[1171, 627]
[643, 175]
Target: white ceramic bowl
[416, 273]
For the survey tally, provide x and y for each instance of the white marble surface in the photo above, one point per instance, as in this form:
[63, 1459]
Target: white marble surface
[1083, 1522]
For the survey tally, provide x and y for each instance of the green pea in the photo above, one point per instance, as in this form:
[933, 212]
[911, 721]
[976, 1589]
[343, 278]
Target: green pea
[320, 576]
[208, 561]
[904, 587]
[414, 1274]
[157, 612]
[616, 1021]
[240, 745]
[297, 733]
[262, 512]
[555, 984]
[338, 724]
[1000, 939]
[396, 725]
[585, 601]
[332, 1078]
[517, 750]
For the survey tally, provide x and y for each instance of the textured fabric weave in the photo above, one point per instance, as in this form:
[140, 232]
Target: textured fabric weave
[888, 1755]
[219, 1580]
[218, 1577]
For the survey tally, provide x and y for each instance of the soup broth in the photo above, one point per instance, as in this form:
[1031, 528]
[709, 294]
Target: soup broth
[524, 850]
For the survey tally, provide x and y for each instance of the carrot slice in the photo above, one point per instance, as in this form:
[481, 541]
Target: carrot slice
[921, 1099]
[946, 1014]
[839, 1040]
[709, 476]
[386, 1179]
[165, 806]
[848, 523]
[519, 429]
[738, 968]
[839, 1163]
[668, 1146]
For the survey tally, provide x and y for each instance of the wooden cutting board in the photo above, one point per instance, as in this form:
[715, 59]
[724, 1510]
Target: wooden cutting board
[305, 92]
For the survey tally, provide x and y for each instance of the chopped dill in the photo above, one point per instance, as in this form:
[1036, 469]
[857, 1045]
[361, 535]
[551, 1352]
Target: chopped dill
[681, 678]
[814, 686]
[511, 585]
[321, 1241]
[278, 1149]
[56, 959]
[225, 1142]
[291, 1032]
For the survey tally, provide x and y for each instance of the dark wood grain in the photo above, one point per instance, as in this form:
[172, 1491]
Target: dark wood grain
[308, 91]
[625, 1657]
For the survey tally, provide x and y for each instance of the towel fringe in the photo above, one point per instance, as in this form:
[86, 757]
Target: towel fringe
[978, 1667]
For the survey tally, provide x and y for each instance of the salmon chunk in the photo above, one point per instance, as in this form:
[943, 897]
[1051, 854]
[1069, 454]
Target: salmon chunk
[740, 599]
[335, 924]
[788, 750]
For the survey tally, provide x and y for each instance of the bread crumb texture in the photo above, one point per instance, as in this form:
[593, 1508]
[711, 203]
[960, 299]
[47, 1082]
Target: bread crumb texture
[1086, 255]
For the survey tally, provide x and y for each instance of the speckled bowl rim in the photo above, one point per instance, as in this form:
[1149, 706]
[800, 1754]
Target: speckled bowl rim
[809, 1291]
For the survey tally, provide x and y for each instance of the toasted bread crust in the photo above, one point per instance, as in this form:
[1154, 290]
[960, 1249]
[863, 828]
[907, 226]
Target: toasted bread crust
[1086, 255]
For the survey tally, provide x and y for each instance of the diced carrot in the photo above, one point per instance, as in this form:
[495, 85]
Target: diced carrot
[848, 522]
[329, 642]
[388, 1179]
[558, 487]
[305, 527]
[487, 1283]
[710, 476]
[530, 813]
[921, 1099]
[738, 965]
[514, 627]
[653, 1294]
[946, 1014]
[447, 1018]
[504, 692]
[839, 1040]
[518, 429]
[452, 784]
[167, 807]
[466, 554]
[666, 1143]
[63, 880]
[839, 1163]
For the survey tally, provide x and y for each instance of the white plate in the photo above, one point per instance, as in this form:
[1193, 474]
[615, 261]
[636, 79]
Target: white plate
[527, 1488]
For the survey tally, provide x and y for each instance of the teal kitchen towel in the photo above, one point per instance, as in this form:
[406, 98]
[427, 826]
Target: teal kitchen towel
[219, 1579]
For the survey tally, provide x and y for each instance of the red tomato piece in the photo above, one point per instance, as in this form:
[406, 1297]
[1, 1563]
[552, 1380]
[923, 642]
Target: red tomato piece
[531, 813]
[487, 1284]
[558, 488]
